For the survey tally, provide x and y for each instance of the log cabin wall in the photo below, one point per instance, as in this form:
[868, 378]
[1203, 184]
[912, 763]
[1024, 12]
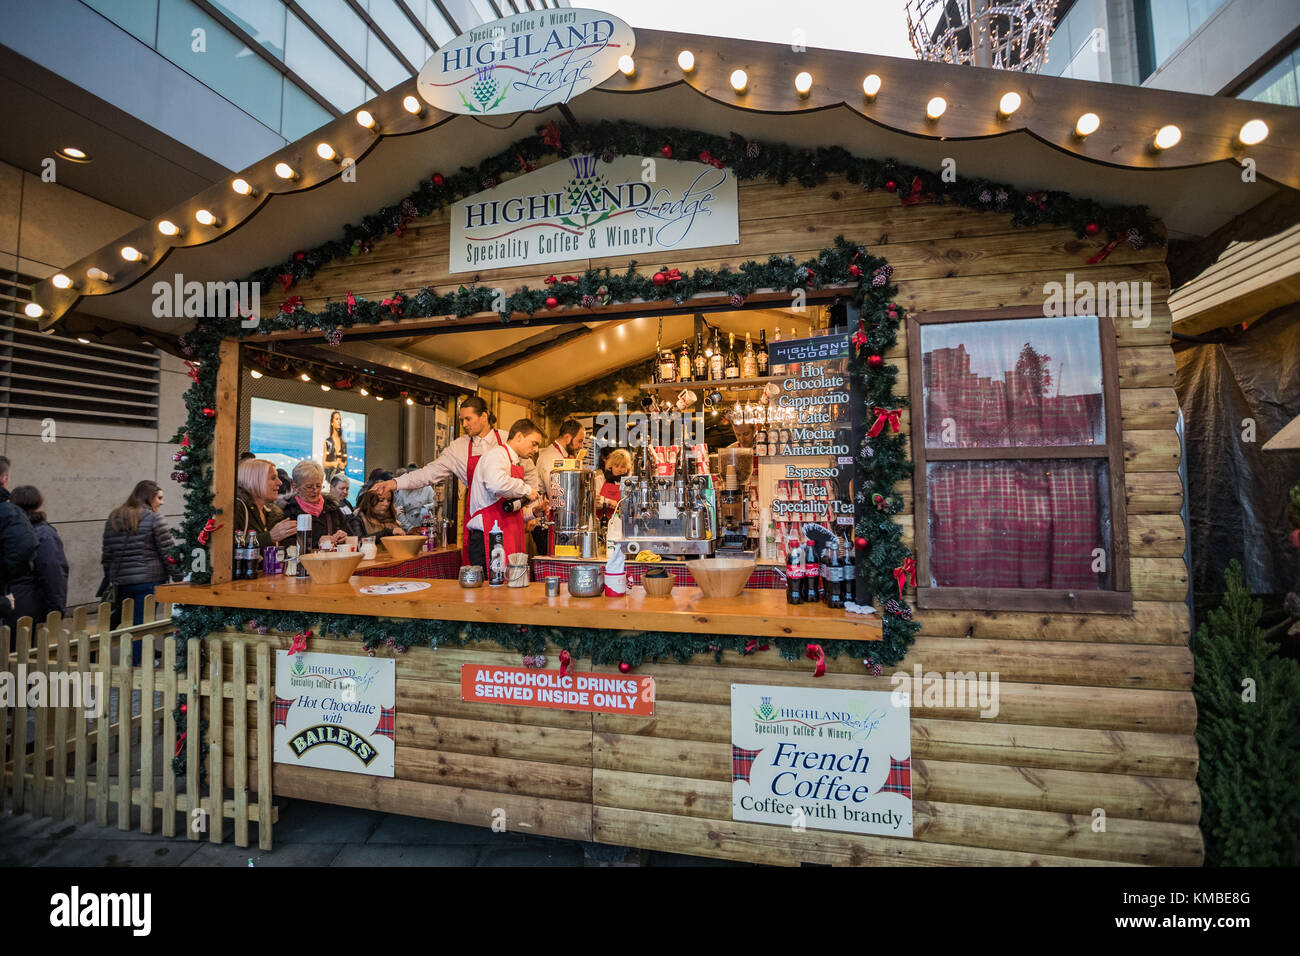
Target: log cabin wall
[1096, 710]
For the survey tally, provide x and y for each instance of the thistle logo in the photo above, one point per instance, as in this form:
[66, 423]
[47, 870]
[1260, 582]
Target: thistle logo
[765, 711]
[484, 88]
[582, 191]
[299, 669]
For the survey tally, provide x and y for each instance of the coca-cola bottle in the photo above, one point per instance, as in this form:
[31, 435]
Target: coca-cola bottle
[794, 573]
[812, 577]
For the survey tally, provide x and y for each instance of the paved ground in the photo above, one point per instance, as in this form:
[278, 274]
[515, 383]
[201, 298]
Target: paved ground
[308, 834]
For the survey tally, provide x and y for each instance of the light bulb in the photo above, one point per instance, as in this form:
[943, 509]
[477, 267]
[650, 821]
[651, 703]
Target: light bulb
[73, 152]
[1252, 132]
[686, 60]
[379, 398]
[324, 388]
[305, 377]
[803, 83]
[241, 186]
[626, 65]
[168, 228]
[408, 400]
[739, 80]
[285, 171]
[1009, 103]
[365, 119]
[1087, 124]
[60, 281]
[934, 109]
[254, 373]
[326, 152]
[206, 218]
[1167, 137]
[131, 254]
[94, 272]
[871, 85]
[364, 393]
[33, 310]
[412, 105]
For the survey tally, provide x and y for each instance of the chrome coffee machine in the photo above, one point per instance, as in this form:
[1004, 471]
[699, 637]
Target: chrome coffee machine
[573, 511]
[674, 513]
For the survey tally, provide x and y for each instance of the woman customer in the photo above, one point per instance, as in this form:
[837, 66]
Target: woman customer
[44, 588]
[134, 551]
[327, 521]
[255, 507]
[375, 514]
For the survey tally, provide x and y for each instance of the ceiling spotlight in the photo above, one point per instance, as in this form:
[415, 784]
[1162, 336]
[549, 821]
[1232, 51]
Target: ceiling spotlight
[206, 218]
[73, 154]
[254, 373]
[366, 119]
[242, 187]
[168, 228]
[739, 80]
[305, 377]
[1009, 103]
[285, 171]
[626, 65]
[1252, 132]
[379, 398]
[934, 109]
[1088, 124]
[33, 310]
[409, 401]
[326, 152]
[803, 83]
[60, 281]
[83, 341]
[98, 274]
[871, 85]
[324, 388]
[131, 254]
[1167, 137]
[364, 393]
[686, 60]
[412, 105]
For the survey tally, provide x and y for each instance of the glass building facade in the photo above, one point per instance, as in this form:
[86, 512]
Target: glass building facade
[295, 67]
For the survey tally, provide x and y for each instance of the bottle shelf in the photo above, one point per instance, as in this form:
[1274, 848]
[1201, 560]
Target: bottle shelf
[722, 385]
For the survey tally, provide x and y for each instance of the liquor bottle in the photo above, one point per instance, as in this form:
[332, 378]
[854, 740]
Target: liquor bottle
[715, 360]
[812, 577]
[777, 369]
[732, 369]
[794, 573]
[684, 364]
[667, 366]
[748, 360]
[761, 356]
[700, 363]
[849, 572]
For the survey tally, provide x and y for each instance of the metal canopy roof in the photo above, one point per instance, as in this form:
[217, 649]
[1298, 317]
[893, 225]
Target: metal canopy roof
[1196, 187]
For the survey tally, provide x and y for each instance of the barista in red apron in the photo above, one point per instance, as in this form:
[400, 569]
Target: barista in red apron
[493, 483]
[471, 464]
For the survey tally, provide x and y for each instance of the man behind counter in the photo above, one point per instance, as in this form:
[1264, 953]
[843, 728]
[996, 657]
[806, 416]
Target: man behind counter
[498, 479]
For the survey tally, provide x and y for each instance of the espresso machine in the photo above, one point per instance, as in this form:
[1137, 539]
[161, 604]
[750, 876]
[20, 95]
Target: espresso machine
[671, 514]
[573, 512]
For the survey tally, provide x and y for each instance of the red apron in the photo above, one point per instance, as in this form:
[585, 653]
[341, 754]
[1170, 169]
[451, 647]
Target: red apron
[512, 524]
[471, 462]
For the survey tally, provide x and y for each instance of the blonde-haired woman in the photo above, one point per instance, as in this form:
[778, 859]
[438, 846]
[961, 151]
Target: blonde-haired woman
[618, 464]
[255, 507]
[327, 521]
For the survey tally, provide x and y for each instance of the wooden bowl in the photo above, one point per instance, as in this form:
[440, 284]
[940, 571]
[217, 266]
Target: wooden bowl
[657, 587]
[721, 577]
[403, 546]
[330, 567]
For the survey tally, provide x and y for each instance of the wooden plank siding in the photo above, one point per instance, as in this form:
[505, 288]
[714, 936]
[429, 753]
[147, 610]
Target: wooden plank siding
[1095, 710]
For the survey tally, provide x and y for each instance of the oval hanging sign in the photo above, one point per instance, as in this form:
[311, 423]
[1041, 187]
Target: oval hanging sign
[526, 62]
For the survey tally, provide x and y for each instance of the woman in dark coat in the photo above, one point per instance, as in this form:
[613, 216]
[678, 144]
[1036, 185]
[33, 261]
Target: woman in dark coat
[44, 587]
[136, 545]
[326, 518]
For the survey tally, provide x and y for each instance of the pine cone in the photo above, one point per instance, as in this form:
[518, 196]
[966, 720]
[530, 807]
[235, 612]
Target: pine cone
[986, 197]
[1134, 238]
[737, 300]
[752, 150]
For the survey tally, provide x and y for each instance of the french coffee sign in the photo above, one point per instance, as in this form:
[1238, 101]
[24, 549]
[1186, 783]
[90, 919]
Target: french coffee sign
[526, 62]
[584, 208]
[824, 759]
[335, 712]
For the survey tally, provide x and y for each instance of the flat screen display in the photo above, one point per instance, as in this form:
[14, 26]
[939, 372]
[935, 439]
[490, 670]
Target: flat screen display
[286, 434]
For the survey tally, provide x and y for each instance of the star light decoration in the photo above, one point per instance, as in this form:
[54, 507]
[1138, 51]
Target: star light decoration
[1005, 36]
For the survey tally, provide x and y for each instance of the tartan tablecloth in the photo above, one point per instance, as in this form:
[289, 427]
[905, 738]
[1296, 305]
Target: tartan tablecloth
[763, 576]
[444, 565]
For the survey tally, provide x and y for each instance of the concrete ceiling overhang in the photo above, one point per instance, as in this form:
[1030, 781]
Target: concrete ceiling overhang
[1194, 188]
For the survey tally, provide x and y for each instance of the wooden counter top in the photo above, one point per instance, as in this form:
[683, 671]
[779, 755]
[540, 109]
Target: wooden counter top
[755, 612]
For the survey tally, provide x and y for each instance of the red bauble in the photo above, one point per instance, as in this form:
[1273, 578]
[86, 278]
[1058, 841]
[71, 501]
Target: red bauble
[667, 151]
[1092, 229]
[299, 256]
[209, 412]
[624, 666]
[552, 301]
[855, 270]
[875, 361]
[891, 186]
[659, 278]
[861, 543]
[437, 179]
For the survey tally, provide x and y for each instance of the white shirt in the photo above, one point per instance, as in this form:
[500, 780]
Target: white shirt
[546, 460]
[452, 462]
[492, 482]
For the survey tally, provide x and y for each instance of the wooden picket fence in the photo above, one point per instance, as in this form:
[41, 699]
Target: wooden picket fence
[71, 748]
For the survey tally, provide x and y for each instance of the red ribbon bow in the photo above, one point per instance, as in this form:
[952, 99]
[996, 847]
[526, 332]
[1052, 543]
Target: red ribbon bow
[352, 303]
[550, 280]
[566, 661]
[892, 416]
[180, 742]
[905, 573]
[752, 646]
[185, 440]
[816, 653]
[673, 275]
[299, 642]
[287, 280]
[568, 278]
[208, 528]
[524, 164]
[551, 135]
[394, 304]
[194, 371]
[915, 194]
[860, 336]
[291, 303]
[1106, 250]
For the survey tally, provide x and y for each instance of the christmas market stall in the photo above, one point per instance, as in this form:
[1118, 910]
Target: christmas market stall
[854, 532]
